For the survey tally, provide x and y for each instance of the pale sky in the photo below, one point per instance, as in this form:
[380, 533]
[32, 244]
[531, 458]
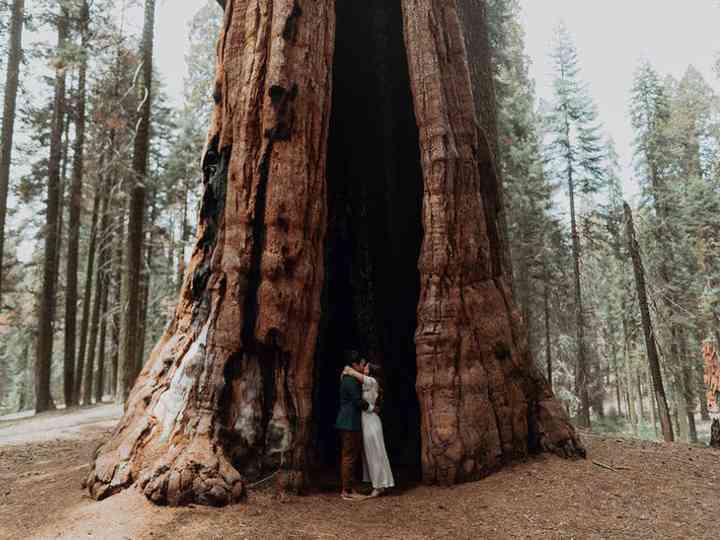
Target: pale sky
[171, 40]
[611, 37]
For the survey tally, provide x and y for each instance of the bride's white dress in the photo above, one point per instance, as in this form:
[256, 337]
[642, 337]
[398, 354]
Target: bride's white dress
[376, 465]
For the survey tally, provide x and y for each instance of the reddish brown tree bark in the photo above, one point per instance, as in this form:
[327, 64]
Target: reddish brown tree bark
[232, 386]
[480, 394]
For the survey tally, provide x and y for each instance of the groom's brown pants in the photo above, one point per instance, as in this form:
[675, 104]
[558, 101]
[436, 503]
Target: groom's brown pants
[351, 448]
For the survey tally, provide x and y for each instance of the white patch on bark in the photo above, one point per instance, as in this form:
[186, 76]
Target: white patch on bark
[174, 400]
[165, 354]
[279, 432]
[247, 403]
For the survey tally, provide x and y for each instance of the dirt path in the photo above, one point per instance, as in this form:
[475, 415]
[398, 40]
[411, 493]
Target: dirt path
[654, 491]
[57, 425]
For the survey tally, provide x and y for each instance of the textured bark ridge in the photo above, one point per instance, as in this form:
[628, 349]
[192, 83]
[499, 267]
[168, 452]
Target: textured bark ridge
[228, 388]
[482, 399]
[230, 391]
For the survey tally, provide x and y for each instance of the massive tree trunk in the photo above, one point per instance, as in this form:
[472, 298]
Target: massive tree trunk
[43, 365]
[71, 288]
[311, 239]
[473, 15]
[8, 119]
[651, 349]
[130, 333]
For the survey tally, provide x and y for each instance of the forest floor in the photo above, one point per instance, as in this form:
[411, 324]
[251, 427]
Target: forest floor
[627, 488]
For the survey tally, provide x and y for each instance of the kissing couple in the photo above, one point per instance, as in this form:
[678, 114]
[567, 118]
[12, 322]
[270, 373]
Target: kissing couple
[360, 428]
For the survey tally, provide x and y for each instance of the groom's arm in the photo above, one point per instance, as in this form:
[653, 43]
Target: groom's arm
[354, 392]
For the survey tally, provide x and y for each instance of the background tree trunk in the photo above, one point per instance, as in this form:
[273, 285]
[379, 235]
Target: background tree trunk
[641, 398]
[101, 368]
[228, 391]
[104, 268]
[117, 271]
[12, 79]
[145, 282]
[581, 379]
[135, 235]
[43, 399]
[87, 298]
[92, 344]
[71, 288]
[548, 343]
[688, 391]
[653, 361]
[61, 199]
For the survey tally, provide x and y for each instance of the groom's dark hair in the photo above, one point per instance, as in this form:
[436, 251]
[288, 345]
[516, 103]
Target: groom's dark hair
[352, 357]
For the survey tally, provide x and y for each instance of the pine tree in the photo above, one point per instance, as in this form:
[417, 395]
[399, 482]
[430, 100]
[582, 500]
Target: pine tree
[577, 157]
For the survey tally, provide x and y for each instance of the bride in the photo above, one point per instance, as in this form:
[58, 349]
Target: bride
[376, 466]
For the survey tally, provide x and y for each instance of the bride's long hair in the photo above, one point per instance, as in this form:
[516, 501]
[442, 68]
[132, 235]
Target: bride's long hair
[376, 372]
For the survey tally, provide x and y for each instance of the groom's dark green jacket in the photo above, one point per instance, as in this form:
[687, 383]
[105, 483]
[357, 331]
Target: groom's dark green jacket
[348, 418]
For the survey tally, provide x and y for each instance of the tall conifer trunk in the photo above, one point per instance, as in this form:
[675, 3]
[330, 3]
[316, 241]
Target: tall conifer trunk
[130, 332]
[12, 78]
[87, 297]
[246, 371]
[43, 366]
[71, 288]
[104, 268]
[548, 343]
[653, 360]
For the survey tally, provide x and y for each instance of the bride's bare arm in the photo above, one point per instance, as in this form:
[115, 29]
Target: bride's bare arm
[353, 373]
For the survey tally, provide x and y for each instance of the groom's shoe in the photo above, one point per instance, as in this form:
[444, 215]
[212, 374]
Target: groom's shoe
[351, 495]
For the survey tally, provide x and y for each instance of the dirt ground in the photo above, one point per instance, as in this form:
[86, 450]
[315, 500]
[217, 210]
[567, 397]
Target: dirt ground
[651, 490]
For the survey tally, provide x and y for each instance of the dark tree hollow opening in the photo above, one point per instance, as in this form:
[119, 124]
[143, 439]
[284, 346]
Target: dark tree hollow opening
[374, 233]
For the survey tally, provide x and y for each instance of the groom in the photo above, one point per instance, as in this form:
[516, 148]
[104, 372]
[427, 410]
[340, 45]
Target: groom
[348, 423]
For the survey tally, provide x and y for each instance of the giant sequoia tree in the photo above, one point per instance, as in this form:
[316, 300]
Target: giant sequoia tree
[350, 200]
